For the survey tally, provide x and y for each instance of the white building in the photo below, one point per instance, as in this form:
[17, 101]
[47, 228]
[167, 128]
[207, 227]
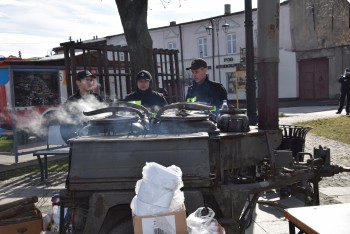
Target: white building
[314, 48]
[193, 41]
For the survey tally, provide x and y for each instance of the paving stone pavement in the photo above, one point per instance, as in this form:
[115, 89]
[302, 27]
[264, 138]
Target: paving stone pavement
[267, 218]
[333, 190]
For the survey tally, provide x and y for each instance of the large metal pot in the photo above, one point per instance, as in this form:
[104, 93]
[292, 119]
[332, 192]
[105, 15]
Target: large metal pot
[122, 121]
[184, 117]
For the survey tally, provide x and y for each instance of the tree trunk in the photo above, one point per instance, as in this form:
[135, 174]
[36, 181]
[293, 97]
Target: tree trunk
[133, 15]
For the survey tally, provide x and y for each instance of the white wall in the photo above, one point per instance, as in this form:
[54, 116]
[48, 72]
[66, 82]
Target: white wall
[287, 75]
[288, 83]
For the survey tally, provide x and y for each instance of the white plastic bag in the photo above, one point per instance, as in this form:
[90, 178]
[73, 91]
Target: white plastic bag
[199, 222]
[51, 221]
[166, 177]
[153, 194]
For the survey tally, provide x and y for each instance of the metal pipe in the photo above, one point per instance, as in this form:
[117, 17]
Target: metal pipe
[217, 39]
[217, 29]
[267, 60]
[213, 49]
[250, 84]
[182, 60]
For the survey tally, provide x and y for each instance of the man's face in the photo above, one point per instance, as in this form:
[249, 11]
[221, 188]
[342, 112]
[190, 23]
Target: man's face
[347, 74]
[87, 84]
[143, 84]
[199, 74]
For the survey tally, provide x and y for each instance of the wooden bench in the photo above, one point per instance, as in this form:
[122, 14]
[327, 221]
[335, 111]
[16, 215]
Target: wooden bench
[55, 146]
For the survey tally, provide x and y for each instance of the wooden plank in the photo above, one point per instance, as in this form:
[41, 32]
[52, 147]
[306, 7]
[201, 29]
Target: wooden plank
[14, 211]
[22, 201]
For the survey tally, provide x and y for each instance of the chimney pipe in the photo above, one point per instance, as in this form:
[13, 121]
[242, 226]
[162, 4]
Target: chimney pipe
[227, 9]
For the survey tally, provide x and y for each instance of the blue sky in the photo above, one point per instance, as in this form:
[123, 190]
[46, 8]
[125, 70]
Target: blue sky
[34, 27]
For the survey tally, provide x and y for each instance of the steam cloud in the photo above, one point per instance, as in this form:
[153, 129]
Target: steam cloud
[70, 113]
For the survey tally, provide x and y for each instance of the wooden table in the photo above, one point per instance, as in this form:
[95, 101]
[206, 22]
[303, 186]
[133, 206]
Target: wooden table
[319, 219]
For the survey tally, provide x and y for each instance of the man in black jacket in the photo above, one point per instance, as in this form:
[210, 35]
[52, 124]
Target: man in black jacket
[203, 89]
[72, 119]
[144, 95]
[344, 81]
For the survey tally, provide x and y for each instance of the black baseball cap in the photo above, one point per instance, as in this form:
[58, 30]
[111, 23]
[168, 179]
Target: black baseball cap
[347, 70]
[143, 75]
[83, 74]
[197, 63]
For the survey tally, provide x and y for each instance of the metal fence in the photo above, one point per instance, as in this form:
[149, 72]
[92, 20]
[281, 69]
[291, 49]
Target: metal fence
[111, 65]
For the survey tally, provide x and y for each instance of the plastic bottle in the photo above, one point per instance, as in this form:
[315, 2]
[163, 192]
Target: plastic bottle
[224, 105]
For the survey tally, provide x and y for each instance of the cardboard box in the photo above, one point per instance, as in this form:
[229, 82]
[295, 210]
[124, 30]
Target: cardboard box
[33, 226]
[170, 223]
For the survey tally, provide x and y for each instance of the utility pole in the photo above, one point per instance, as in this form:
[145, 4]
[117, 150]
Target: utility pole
[250, 84]
[267, 60]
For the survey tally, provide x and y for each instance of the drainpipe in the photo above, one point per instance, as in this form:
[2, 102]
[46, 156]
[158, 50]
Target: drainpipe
[182, 61]
[212, 48]
[267, 60]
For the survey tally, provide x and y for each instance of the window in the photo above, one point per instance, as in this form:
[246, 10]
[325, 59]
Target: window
[231, 43]
[202, 47]
[172, 45]
[121, 56]
[36, 88]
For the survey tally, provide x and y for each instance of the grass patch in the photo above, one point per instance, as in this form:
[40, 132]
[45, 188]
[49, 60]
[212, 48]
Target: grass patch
[332, 128]
[6, 145]
[58, 166]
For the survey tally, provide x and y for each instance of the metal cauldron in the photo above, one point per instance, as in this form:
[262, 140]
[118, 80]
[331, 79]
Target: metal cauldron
[184, 117]
[123, 120]
[233, 120]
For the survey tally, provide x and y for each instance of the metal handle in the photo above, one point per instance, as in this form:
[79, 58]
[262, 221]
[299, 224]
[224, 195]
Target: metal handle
[114, 109]
[185, 106]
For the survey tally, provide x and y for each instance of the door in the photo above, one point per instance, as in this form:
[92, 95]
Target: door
[314, 79]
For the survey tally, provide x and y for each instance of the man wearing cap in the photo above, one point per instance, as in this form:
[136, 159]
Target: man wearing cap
[72, 112]
[86, 82]
[144, 95]
[203, 89]
[344, 81]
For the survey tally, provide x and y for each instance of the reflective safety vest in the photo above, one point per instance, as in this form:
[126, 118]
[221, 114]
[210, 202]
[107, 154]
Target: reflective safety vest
[137, 102]
[194, 99]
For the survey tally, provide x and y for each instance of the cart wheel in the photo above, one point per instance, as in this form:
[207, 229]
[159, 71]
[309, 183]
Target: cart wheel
[118, 220]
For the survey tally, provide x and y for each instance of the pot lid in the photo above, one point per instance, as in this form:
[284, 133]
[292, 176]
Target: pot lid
[115, 119]
[184, 115]
[119, 115]
[184, 112]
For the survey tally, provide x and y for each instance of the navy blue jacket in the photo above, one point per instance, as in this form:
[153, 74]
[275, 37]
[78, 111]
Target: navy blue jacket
[210, 92]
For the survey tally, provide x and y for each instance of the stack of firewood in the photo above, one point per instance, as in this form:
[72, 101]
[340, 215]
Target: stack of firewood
[19, 211]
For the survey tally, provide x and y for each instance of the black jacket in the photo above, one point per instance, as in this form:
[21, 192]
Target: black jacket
[76, 96]
[73, 120]
[209, 92]
[149, 99]
[345, 84]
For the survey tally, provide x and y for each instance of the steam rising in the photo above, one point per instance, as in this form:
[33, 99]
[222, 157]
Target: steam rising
[70, 113]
